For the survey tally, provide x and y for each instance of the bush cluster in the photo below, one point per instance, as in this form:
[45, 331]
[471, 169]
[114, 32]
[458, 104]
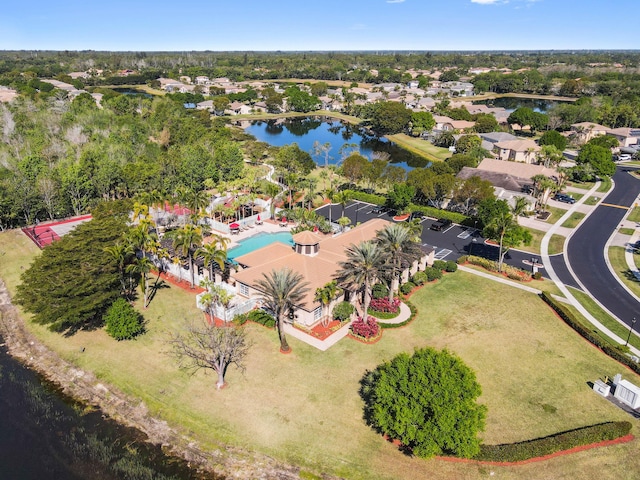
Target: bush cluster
[437, 213]
[451, 266]
[342, 311]
[379, 291]
[263, 318]
[514, 452]
[419, 278]
[367, 197]
[384, 305]
[122, 321]
[406, 288]
[462, 259]
[368, 329]
[433, 273]
[511, 272]
[571, 320]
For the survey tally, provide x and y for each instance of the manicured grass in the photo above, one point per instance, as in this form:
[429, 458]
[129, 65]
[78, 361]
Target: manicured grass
[420, 147]
[627, 231]
[583, 185]
[620, 267]
[634, 216]
[556, 213]
[573, 220]
[592, 200]
[605, 185]
[304, 407]
[556, 244]
[604, 318]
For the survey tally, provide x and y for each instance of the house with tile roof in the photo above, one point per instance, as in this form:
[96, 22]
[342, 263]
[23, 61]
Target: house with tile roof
[316, 257]
[523, 150]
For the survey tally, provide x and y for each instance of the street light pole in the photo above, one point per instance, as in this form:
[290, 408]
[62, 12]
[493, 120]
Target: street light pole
[633, 322]
[473, 242]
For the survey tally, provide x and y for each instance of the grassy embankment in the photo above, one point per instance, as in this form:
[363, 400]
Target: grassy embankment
[420, 147]
[304, 407]
[620, 267]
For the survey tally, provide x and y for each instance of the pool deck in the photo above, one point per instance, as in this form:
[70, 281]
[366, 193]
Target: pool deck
[269, 226]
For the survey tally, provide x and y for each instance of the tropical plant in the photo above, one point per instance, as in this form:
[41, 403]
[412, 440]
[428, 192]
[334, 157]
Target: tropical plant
[122, 321]
[214, 252]
[186, 241]
[400, 250]
[325, 295]
[361, 269]
[281, 290]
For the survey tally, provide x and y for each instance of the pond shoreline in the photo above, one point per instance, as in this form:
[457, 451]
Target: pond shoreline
[82, 385]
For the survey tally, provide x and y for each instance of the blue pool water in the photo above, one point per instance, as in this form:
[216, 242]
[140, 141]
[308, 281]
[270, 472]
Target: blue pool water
[255, 242]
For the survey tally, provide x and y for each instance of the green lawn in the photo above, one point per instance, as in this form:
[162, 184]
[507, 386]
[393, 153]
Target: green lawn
[620, 267]
[627, 231]
[573, 220]
[583, 185]
[605, 185]
[556, 243]
[592, 200]
[604, 318]
[420, 147]
[556, 213]
[304, 408]
[634, 216]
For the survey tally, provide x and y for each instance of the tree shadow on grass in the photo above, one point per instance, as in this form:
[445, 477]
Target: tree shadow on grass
[155, 287]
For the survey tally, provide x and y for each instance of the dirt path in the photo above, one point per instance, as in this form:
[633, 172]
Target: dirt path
[82, 385]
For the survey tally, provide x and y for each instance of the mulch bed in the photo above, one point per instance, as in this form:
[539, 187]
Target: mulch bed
[366, 341]
[401, 218]
[183, 284]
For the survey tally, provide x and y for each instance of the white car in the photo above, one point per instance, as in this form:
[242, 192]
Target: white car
[624, 157]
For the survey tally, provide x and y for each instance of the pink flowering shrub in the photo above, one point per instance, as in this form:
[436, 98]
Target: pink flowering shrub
[384, 305]
[368, 329]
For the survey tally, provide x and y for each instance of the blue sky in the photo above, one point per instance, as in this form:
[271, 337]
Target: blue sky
[319, 25]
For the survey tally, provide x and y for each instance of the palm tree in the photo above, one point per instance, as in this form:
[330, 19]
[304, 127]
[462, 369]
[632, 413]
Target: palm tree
[281, 291]
[142, 266]
[400, 252]
[185, 241]
[214, 252]
[343, 197]
[325, 295]
[120, 254]
[500, 226]
[361, 269]
[519, 207]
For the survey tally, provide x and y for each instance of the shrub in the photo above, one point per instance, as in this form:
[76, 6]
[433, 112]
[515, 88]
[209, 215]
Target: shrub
[384, 305]
[406, 288]
[439, 264]
[368, 329]
[263, 318]
[122, 321]
[433, 273]
[514, 452]
[419, 278]
[240, 318]
[570, 320]
[433, 212]
[433, 390]
[342, 311]
[367, 197]
[379, 291]
[537, 276]
[462, 259]
[451, 266]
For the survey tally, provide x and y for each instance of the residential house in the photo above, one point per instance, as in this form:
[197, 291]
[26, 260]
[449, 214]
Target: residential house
[202, 80]
[205, 105]
[446, 124]
[238, 108]
[584, 131]
[517, 150]
[626, 136]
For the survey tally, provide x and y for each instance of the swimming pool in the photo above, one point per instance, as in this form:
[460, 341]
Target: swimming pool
[255, 242]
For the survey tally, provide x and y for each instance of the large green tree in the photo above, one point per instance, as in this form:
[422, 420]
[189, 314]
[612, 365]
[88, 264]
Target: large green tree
[72, 283]
[428, 401]
[389, 118]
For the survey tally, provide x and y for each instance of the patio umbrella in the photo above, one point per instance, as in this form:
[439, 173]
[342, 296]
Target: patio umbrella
[258, 218]
[234, 226]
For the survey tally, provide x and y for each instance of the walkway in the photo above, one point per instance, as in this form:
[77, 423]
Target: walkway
[403, 316]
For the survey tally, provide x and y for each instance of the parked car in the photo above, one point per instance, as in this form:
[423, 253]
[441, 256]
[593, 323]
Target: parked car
[441, 224]
[417, 214]
[623, 157]
[563, 197]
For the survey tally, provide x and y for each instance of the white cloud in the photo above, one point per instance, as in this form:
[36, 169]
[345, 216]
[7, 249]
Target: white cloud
[395, 1]
[486, 2]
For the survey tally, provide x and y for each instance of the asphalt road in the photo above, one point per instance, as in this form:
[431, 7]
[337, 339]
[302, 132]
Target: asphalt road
[586, 254]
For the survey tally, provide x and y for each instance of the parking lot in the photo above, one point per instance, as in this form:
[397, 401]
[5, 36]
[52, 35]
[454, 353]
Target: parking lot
[449, 243]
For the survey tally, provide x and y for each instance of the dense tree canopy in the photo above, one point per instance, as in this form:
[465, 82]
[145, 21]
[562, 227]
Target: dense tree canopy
[427, 401]
[389, 117]
[72, 283]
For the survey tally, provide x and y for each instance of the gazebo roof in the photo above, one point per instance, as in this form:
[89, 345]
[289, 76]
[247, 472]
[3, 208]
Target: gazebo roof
[306, 238]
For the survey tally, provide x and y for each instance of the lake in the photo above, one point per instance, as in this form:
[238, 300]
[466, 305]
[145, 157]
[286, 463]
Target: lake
[512, 103]
[132, 91]
[46, 435]
[341, 135]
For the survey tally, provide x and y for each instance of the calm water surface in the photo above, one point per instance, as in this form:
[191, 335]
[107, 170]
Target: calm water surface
[305, 131]
[45, 435]
[512, 103]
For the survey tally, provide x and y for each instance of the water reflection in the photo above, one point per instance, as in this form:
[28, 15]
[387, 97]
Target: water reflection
[305, 131]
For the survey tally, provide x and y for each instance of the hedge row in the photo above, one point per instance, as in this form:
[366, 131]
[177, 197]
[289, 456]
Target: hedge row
[515, 452]
[433, 212]
[367, 197]
[571, 320]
